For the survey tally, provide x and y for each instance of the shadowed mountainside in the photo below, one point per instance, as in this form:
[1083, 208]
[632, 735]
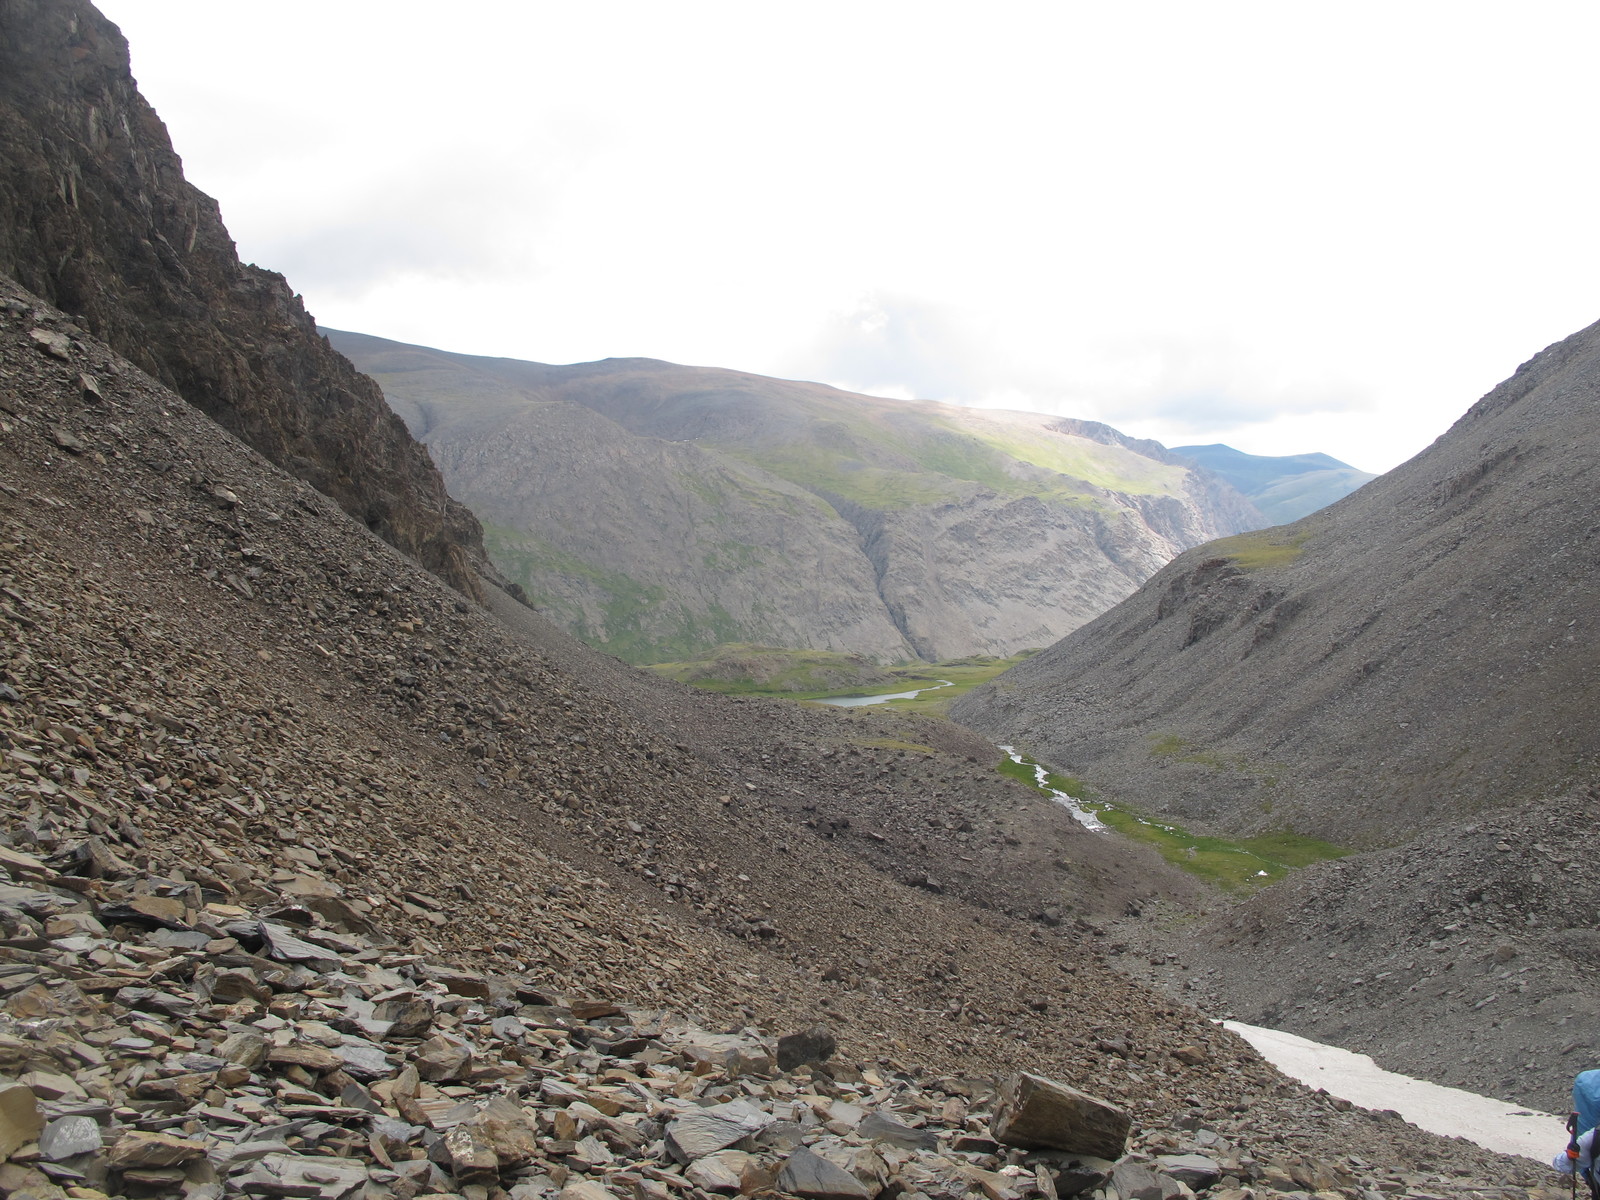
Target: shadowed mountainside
[1418, 651]
[96, 217]
[1412, 667]
[659, 510]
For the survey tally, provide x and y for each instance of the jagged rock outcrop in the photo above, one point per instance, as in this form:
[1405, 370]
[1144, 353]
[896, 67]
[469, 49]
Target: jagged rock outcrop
[1416, 652]
[96, 217]
[660, 510]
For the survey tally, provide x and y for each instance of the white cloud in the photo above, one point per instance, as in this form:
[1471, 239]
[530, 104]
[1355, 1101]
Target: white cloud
[1265, 221]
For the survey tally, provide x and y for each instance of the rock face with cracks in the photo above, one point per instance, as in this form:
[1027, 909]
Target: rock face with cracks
[659, 510]
[96, 216]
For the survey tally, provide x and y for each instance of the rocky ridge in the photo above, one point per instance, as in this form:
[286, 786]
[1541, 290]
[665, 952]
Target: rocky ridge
[1285, 487]
[96, 216]
[212, 675]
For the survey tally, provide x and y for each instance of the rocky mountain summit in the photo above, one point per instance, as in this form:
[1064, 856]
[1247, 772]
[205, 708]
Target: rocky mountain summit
[227, 706]
[96, 216]
[659, 510]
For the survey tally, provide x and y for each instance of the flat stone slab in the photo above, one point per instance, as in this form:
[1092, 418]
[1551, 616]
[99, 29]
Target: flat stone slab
[814, 1177]
[20, 1119]
[68, 1136]
[1138, 1181]
[700, 1132]
[305, 1175]
[1196, 1170]
[719, 1172]
[879, 1128]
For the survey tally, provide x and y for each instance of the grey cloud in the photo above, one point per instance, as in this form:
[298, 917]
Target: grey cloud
[446, 220]
[1188, 384]
[1197, 383]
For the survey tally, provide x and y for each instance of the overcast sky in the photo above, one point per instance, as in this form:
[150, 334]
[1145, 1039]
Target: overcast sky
[1286, 226]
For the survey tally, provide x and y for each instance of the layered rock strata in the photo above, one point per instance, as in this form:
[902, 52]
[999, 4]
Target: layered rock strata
[96, 216]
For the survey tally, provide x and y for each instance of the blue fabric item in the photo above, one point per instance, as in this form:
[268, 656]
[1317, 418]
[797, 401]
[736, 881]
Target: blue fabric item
[1586, 1099]
[1585, 1157]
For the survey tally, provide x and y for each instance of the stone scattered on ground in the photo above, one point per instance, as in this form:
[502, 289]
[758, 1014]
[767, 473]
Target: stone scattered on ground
[168, 1042]
[294, 837]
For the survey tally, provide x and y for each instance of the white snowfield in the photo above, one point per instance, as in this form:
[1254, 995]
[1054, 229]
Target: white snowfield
[1492, 1124]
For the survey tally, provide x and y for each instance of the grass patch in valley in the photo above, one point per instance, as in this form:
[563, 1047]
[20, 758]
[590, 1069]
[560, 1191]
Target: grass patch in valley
[741, 669]
[1234, 865]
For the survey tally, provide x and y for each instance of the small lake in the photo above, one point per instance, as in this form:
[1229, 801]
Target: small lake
[863, 701]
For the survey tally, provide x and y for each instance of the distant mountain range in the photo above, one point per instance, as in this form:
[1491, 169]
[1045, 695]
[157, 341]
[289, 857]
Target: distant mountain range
[659, 510]
[1284, 487]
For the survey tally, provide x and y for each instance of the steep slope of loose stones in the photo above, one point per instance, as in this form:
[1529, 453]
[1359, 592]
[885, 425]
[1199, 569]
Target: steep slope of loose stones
[1469, 956]
[96, 216]
[1416, 652]
[214, 677]
[207, 1047]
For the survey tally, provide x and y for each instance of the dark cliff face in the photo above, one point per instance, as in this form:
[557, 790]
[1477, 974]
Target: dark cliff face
[95, 216]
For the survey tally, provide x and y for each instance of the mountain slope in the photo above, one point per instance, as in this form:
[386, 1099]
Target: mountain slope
[1420, 650]
[659, 510]
[248, 695]
[95, 216]
[1284, 487]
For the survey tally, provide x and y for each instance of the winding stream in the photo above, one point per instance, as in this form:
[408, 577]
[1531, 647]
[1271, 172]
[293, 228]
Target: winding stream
[1041, 779]
[1490, 1123]
[1493, 1124]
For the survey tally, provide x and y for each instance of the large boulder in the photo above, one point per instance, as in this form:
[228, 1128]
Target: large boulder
[1036, 1113]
